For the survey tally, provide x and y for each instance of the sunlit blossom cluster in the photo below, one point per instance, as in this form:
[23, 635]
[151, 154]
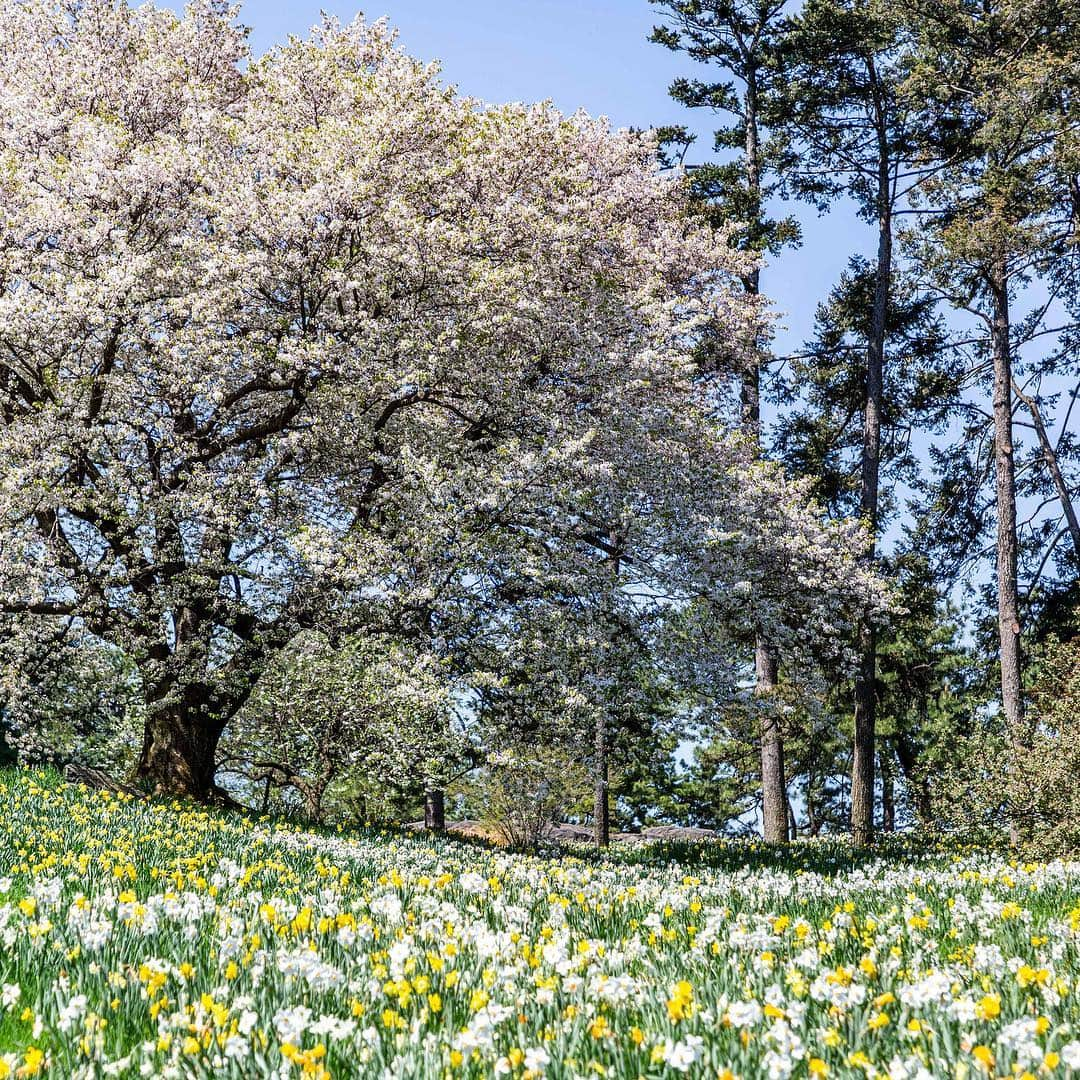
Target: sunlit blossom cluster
[301, 340]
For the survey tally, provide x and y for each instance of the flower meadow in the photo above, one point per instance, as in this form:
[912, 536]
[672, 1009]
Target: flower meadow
[149, 939]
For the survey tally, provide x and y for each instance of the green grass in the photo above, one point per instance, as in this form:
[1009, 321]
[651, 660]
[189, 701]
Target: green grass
[164, 940]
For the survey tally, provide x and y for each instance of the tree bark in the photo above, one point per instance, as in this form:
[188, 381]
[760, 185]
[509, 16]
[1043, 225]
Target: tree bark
[187, 709]
[178, 754]
[773, 779]
[601, 803]
[753, 159]
[1005, 496]
[774, 801]
[602, 749]
[435, 810]
[813, 822]
[888, 792]
[312, 794]
[862, 758]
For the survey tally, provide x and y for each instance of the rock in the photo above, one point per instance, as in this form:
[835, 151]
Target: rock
[465, 827]
[470, 828]
[566, 832]
[677, 833]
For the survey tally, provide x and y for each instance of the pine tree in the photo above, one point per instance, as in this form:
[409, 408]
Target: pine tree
[843, 63]
[1008, 73]
[741, 37]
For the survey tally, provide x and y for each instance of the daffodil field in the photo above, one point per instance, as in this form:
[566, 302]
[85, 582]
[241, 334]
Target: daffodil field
[144, 939]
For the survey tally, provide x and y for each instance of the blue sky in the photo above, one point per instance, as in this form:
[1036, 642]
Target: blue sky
[590, 54]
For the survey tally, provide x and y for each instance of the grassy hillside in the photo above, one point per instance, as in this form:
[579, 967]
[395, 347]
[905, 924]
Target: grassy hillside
[155, 940]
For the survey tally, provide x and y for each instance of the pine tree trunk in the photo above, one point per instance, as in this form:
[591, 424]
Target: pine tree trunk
[435, 810]
[178, 754]
[813, 822]
[602, 748]
[1005, 495]
[601, 803]
[862, 760]
[774, 801]
[773, 779]
[888, 792]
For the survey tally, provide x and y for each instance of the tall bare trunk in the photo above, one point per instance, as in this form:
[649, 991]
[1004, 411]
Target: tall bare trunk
[601, 804]
[602, 748]
[917, 783]
[774, 802]
[862, 759]
[813, 822]
[752, 160]
[888, 791]
[1005, 495]
[773, 779]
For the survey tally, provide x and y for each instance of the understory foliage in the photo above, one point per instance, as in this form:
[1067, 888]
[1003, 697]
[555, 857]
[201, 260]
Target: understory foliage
[520, 793]
[1048, 774]
[69, 697]
[1040, 781]
[368, 706]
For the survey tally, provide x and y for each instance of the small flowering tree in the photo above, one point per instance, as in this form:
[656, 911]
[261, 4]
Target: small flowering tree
[369, 708]
[294, 342]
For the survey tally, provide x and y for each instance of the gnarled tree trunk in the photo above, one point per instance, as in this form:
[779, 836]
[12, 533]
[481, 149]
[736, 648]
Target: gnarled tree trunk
[188, 708]
[435, 810]
[179, 752]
